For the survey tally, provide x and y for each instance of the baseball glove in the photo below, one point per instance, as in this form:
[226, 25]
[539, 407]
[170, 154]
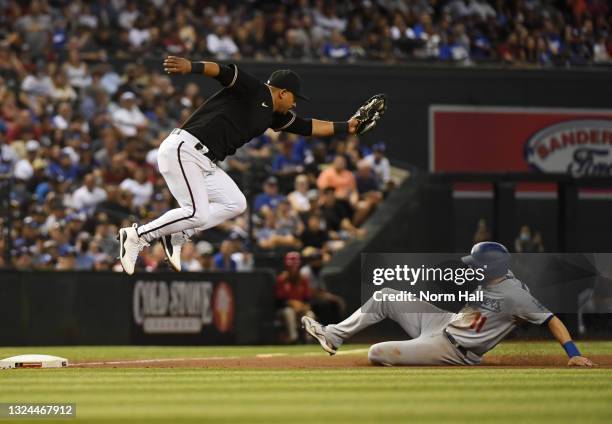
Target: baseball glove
[370, 113]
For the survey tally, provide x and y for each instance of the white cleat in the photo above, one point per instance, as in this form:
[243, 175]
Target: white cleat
[317, 331]
[172, 246]
[130, 246]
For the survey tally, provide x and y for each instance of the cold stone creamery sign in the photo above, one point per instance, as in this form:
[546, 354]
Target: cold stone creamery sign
[579, 147]
[179, 307]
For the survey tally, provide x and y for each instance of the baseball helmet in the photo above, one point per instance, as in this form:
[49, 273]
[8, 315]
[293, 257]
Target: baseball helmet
[493, 258]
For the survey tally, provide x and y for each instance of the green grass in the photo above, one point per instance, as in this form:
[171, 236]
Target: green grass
[357, 395]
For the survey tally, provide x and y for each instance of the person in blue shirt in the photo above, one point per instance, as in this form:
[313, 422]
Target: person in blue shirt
[63, 169]
[270, 198]
[223, 260]
[284, 162]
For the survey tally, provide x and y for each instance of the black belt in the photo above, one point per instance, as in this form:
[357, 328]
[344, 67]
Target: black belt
[210, 155]
[454, 342]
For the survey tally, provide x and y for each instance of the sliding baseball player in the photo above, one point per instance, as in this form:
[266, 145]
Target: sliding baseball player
[242, 110]
[443, 338]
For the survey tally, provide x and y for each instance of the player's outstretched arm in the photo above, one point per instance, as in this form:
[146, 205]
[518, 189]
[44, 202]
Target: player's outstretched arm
[329, 128]
[559, 331]
[180, 65]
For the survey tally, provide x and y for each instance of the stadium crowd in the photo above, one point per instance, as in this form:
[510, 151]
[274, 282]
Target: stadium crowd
[79, 137]
[78, 143]
[519, 32]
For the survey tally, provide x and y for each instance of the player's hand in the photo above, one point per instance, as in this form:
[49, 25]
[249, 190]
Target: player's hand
[580, 361]
[177, 65]
[352, 125]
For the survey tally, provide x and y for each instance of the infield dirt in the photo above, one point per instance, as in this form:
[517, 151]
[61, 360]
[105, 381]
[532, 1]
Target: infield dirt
[346, 361]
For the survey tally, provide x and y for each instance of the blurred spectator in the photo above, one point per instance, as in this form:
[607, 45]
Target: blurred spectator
[339, 178]
[23, 168]
[380, 164]
[76, 70]
[62, 168]
[139, 186]
[528, 243]
[88, 195]
[221, 44]
[84, 260]
[369, 193]
[274, 235]
[189, 261]
[35, 28]
[284, 162]
[242, 257]
[128, 118]
[300, 198]
[482, 232]
[366, 179]
[327, 306]
[223, 260]
[338, 215]
[336, 48]
[205, 256]
[315, 234]
[292, 296]
[287, 220]
[268, 200]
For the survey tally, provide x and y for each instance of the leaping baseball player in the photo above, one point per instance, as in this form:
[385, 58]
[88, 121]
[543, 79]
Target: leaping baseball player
[242, 110]
[440, 337]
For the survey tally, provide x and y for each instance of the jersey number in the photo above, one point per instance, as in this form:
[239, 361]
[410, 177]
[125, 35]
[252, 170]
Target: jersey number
[478, 322]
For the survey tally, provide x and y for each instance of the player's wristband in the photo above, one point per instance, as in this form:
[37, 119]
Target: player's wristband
[341, 128]
[197, 67]
[571, 349]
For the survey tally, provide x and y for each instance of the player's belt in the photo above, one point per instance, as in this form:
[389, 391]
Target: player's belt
[196, 143]
[454, 342]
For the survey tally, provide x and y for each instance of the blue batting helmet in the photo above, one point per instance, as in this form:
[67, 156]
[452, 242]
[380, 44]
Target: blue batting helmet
[493, 258]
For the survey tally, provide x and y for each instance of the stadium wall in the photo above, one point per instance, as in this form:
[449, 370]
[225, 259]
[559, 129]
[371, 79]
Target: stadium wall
[105, 308]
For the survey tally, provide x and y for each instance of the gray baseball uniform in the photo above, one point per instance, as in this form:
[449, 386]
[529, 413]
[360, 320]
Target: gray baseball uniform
[444, 338]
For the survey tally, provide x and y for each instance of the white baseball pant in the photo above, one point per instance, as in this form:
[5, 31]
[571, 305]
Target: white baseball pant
[423, 322]
[206, 195]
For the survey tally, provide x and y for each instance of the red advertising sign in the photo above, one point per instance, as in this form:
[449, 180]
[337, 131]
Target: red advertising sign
[514, 139]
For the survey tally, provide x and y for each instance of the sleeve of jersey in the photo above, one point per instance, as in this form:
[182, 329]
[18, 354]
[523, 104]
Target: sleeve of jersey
[290, 122]
[230, 76]
[529, 309]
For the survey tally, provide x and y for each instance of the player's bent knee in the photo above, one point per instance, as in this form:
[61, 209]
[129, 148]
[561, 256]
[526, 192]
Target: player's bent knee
[376, 356]
[241, 204]
[238, 204]
[199, 216]
[388, 291]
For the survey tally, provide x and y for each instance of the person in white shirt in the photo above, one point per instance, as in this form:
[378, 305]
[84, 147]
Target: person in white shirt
[128, 118]
[62, 90]
[64, 115]
[23, 168]
[88, 195]
[300, 198]
[379, 163]
[220, 44]
[8, 156]
[141, 189]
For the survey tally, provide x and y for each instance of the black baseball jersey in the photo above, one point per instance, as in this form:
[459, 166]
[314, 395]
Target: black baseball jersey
[239, 112]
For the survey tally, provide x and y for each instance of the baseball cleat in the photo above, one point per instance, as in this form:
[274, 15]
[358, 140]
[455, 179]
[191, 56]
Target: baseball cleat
[172, 247]
[316, 330]
[130, 246]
